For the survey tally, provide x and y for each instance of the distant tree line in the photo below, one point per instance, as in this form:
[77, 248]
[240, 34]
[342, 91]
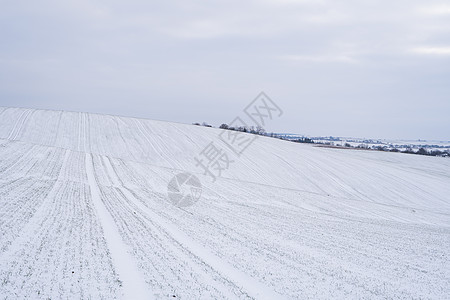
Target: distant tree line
[408, 150]
[423, 151]
[260, 131]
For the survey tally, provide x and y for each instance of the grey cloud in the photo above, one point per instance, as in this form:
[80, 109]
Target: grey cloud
[382, 65]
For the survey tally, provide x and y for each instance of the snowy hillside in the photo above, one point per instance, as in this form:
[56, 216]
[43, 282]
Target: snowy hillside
[84, 214]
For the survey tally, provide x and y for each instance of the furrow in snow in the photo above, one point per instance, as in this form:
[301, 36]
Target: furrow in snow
[133, 285]
[253, 287]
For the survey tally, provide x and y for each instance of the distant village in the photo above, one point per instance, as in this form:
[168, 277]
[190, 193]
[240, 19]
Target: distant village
[420, 147]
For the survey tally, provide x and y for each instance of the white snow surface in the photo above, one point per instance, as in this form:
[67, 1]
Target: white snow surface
[84, 214]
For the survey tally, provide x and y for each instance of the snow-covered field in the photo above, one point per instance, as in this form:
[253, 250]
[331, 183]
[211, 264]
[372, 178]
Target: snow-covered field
[84, 214]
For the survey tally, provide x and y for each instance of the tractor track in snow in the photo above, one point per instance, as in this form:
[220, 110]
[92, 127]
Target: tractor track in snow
[133, 285]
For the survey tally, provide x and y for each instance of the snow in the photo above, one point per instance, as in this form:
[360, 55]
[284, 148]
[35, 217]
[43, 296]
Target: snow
[84, 213]
[134, 286]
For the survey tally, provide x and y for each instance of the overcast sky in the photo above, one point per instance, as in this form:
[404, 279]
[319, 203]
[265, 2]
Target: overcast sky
[378, 69]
